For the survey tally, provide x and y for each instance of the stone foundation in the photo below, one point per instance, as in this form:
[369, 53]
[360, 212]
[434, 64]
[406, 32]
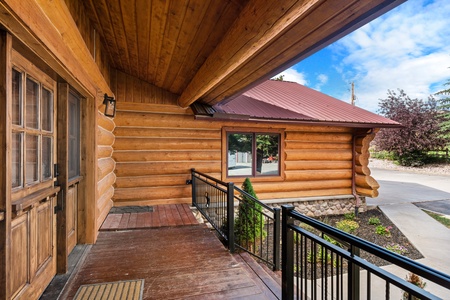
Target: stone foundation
[321, 206]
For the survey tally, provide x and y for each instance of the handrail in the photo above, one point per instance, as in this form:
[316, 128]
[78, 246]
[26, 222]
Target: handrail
[402, 261]
[216, 200]
[312, 255]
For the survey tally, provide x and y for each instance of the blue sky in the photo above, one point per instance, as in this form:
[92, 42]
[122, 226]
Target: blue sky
[408, 48]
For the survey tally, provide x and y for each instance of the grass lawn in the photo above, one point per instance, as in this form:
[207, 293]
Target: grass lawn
[440, 218]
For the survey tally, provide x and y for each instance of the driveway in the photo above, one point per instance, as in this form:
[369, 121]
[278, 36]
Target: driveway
[426, 191]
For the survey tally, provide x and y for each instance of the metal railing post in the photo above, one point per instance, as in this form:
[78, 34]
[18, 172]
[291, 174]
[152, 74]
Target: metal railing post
[287, 254]
[276, 238]
[354, 275]
[194, 200]
[230, 215]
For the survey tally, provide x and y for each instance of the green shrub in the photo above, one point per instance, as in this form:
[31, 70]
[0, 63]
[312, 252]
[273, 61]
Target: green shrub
[381, 230]
[381, 154]
[249, 225]
[349, 216]
[374, 221]
[331, 240]
[347, 225]
[397, 248]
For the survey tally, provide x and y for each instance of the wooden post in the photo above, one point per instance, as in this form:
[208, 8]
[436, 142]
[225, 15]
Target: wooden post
[5, 162]
[62, 140]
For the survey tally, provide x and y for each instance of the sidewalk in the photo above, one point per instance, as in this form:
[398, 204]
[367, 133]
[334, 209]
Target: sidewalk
[399, 189]
[429, 236]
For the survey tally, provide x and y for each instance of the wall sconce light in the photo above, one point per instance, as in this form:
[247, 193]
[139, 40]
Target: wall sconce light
[110, 108]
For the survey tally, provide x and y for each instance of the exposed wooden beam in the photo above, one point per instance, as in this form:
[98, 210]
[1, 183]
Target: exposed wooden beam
[50, 31]
[260, 42]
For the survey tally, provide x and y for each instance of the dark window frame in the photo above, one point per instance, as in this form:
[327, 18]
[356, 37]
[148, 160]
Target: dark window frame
[254, 153]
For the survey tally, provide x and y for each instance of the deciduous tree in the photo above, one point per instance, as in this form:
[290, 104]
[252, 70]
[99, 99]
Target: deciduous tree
[421, 129]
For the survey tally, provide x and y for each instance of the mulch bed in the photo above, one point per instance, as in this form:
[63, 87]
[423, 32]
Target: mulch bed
[368, 232]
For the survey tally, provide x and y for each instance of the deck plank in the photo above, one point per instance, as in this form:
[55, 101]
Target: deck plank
[184, 217]
[190, 214]
[191, 256]
[132, 221]
[176, 215]
[141, 218]
[169, 215]
[124, 221]
[163, 215]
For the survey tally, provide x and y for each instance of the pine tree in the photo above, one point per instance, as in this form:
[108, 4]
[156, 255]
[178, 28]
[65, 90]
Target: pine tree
[249, 224]
[444, 105]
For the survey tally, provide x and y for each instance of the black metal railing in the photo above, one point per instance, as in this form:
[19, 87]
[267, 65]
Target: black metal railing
[240, 219]
[257, 228]
[315, 267]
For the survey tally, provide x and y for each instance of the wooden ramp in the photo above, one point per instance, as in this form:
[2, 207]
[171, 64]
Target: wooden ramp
[124, 218]
[184, 262]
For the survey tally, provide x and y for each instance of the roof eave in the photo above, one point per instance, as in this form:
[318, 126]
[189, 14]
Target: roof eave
[246, 118]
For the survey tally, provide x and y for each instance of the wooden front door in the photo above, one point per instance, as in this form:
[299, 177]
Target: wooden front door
[69, 177]
[32, 262]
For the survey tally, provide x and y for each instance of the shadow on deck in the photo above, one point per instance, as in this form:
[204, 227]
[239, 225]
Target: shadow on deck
[184, 260]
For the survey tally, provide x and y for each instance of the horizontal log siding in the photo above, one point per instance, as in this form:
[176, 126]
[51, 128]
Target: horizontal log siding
[155, 148]
[317, 161]
[156, 144]
[366, 185]
[105, 168]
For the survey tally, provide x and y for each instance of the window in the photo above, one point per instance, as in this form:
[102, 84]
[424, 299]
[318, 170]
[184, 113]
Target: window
[32, 131]
[74, 136]
[253, 154]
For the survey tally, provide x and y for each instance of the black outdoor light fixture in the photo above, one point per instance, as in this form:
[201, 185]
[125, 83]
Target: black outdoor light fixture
[110, 108]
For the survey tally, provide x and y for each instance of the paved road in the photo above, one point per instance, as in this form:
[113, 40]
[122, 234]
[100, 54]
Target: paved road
[427, 191]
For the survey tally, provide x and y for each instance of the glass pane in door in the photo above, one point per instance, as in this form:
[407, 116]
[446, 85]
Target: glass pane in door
[16, 155]
[16, 97]
[46, 158]
[74, 136]
[47, 110]
[32, 104]
[31, 165]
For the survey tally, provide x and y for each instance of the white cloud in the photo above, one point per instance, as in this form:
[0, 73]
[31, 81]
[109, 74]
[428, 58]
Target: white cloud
[321, 80]
[407, 49]
[293, 75]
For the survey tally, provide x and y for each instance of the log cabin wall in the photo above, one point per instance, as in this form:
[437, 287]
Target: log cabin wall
[157, 143]
[105, 125]
[105, 168]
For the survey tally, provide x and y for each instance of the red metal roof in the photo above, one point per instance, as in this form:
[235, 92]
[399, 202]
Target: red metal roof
[283, 100]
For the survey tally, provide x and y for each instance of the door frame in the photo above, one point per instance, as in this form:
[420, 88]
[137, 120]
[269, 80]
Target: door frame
[64, 89]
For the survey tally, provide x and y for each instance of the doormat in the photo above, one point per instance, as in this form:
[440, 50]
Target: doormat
[130, 209]
[120, 290]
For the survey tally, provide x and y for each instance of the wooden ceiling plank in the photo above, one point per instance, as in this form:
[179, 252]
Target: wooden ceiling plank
[190, 28]
[220, 15]
[131, 29]
[177, 14]
[292, 44]
[160, 12]
[101, 19]
[143, 21]
[259, 22]
[119, 33]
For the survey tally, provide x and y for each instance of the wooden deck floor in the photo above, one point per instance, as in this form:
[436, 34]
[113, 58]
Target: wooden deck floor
[160, 216]
[183, 262]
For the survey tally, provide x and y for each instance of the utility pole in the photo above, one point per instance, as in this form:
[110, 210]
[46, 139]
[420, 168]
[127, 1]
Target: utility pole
[353, 97]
